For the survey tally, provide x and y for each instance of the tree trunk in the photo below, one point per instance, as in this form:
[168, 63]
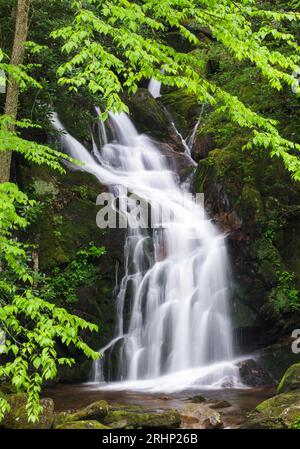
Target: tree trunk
[12, 95]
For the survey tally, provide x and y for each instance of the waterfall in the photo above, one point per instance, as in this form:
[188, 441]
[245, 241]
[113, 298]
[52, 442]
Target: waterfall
[154, 88]
[192, 138]
[173, 319]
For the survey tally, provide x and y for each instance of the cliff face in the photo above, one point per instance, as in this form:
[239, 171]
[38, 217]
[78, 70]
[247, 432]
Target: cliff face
[255, 202]
[66, 235]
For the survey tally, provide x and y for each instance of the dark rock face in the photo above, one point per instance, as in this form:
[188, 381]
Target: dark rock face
[277, 358]
[149, 117]
[253, 375]
[253, 200]
[66, 225]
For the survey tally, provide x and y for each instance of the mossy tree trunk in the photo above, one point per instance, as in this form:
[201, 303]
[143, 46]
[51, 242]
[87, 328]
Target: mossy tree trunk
[12, 95]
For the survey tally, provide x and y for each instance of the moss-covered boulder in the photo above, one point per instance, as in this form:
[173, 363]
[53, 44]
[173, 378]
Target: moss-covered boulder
[219, 404]
[290, 380]
[133, 417]
[149, 116]
[17, 418]
[200, 416]
[77, 425]
[93, 412]
[183, 109]
[279, 412]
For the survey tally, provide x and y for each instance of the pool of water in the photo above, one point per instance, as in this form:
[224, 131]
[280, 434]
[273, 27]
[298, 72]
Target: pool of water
[74, 396]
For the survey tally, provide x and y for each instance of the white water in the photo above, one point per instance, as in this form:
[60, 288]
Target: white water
[192, 138]
[154, 87]
[177, 330]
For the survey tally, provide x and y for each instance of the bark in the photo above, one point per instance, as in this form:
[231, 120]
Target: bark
[12, 95]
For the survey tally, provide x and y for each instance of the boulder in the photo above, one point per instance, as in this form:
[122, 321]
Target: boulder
[89, 424]
[290, 380]
[149, 116]
[93, 412]
[277, 358]
[17, 418]
[200, 416]
[219, 404]
[253, 375]
[131, 417]
[278, 412]
[197, 398]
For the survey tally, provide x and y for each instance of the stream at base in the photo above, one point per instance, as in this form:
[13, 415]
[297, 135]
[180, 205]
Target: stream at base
[74, 396]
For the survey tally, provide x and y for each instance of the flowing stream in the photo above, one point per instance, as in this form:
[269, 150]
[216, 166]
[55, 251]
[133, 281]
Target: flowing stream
[173, 318]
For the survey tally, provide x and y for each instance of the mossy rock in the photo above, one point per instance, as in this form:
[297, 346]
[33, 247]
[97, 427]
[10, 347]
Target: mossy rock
[93, 412]
[219, 404]
[262, 241]
[17, 418]
[77, 425]
[278, 412]
[290, 380]
[183, 108]
[66, 224]
[148, 115]
[142, 417]
[198, 398]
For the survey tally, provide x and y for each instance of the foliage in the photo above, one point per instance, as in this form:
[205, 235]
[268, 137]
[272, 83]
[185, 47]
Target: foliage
[33, 326]
[285, 295]
[18, 73]
[113, 45]
[296, 425]
[10, 140]
[63, 283]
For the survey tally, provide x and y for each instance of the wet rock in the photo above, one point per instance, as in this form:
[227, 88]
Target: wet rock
[197, 398]
[131, 417]
[89, 424]
[93, 412]
[261, 219]
[276, 359]
[66, 225]
[200, 416]
[149, 116]
[219, 404]
[279, 412]
[290, 380]
[252, 374]
[17, 418]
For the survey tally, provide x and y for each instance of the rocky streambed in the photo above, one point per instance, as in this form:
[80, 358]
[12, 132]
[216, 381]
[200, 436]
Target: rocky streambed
[86, 406]
[226, 408]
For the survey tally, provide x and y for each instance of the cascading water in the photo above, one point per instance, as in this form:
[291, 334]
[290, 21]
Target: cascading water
[173, 324]
[154, 88]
